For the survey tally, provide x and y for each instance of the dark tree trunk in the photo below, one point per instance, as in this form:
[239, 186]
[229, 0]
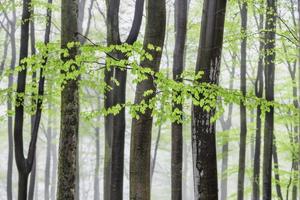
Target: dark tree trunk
[269, 88]
[140, 149]
[68, 142]
[178, 65]
[203, 130]
[116, 124]
[259, 84]
[243, 111]
[33, 52]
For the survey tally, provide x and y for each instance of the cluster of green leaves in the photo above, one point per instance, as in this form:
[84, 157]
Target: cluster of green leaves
[94, 59]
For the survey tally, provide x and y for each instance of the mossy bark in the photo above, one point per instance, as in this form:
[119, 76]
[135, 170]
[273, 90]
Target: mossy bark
[68, 141]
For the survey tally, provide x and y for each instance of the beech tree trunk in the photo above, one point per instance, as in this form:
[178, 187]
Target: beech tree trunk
[178, 66]
[203, 130]
[270, 27]
[259, 85]
[68, 142]
[140, 149]
[243, 111]
[116, 125]
[226, 126]
[12, 36]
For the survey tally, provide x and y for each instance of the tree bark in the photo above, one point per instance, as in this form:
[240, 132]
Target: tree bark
[203, 131]
[271, 10]
[9, 104]
[276, 171]
[259, 84]
[48, 156]
[140, 149]
[116, 125]
[226, 125]
[54, 168]
[68, 142]
[33, 52]
[176, 128]
[243, 111]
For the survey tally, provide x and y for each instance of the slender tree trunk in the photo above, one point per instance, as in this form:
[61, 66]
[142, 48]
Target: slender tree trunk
[203, 130]
[54, 168]
[153, 162]
[276, 171]
[9, 105]
[33, 52]
[243, 111]
[226, 125]
[140, 149]
[48, 156]
[68, 143]
[269, 88]
[97, 166]
[19, 116]
[5, 51]
[259, 84]
[178, 65]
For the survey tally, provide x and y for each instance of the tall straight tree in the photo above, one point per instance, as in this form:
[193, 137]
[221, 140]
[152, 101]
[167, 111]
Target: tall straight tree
[203, 130]
[12, 35]
[24, 165]
[68, 141]
[178, 65]
[259, 86]
[140, 148]
[226, 126]
[243, 112]
[116, 125]
[270, 28]
[33, 77]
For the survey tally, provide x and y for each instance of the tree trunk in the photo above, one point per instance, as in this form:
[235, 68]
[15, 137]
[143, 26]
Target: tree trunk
[243, 111]
[269, 88]
[140, 149]
[226, 125]
[19, 110]
[116, 125]
[203, 131]
[48, 156]
[9, 105]
[54, 168]
[68, 142]
[259, 84]
[97, 166]
[153, 162]
[276, 171]
[33, 52]
[178, 65]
